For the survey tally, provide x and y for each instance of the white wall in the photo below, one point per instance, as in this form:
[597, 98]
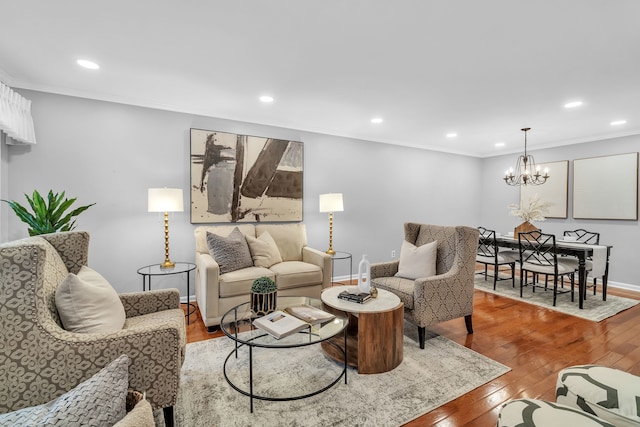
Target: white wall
[111, 154]
[622, 235]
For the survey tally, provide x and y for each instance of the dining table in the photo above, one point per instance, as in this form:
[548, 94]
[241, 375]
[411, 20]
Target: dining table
[582, 251]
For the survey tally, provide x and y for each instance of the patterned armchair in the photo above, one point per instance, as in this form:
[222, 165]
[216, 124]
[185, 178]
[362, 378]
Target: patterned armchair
[445, 296]
[39, 360]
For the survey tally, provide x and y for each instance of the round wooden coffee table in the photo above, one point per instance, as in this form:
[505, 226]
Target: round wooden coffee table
[375, 335]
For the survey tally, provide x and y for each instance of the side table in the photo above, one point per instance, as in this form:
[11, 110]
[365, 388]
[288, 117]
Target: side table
[375, 332]
[180, 268]
[342, 256]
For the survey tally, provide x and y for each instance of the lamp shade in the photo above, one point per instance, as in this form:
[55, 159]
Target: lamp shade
[331, 202]
[165, 200]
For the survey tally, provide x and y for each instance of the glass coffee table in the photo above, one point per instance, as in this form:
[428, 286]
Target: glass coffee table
[237, 325]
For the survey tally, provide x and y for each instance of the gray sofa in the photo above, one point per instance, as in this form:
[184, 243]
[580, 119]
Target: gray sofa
[304, 271]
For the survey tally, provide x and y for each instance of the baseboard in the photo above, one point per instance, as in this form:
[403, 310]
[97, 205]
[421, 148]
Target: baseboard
[192, 299]
[620, 285]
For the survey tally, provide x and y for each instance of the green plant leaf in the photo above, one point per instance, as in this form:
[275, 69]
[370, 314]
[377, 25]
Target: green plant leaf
[48, 215]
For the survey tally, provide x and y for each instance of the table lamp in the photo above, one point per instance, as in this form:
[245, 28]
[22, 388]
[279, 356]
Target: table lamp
[165, 200]
[331, 202]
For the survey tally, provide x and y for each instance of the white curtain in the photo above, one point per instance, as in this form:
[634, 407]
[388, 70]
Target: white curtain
[15, 117]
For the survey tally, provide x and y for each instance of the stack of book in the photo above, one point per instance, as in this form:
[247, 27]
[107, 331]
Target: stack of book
[360, 298]
[291, 320]
[280, 324]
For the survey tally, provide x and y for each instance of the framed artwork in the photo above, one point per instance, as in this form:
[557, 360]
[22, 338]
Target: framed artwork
[555, 190]
[606, 187]
[243, 178]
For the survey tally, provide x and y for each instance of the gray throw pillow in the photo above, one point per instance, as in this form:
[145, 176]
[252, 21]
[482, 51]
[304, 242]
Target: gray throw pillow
[231, 252]
[98, 401]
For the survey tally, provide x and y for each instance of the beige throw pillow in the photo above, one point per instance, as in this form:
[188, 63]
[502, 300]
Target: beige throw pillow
[264, 250]
[87, 303]
[417, 261]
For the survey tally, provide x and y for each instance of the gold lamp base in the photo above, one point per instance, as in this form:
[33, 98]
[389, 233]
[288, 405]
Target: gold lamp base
[167, 264]
[330, 251]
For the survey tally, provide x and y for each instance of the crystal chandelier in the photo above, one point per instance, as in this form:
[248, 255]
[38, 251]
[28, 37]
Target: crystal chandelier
[526, 172]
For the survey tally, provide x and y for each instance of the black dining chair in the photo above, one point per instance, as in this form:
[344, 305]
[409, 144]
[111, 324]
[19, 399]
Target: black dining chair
[590, 238]
[538, 255]
[489, 254]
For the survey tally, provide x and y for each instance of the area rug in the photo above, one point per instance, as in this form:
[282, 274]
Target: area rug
[426, 379]
[593, 308]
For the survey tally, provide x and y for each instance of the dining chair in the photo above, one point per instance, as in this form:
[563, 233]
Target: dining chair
[489, 254]
[538, 255]
[590, 238]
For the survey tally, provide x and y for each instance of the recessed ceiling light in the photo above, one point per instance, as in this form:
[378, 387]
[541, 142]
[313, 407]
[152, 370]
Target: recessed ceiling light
[499, 144]
[618, 122]
[376, 120]
[87, 64]
[573, 104]
[451, 135]
[266, 98]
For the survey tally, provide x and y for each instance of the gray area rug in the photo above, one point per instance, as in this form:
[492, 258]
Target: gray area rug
[425, 380]
[594, 308]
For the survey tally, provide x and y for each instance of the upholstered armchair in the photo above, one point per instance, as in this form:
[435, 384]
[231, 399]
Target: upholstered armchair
[444, 296]
[39, 360]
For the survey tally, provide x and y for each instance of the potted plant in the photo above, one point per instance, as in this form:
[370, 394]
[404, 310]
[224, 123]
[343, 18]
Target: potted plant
[49, 216]
[263, 295]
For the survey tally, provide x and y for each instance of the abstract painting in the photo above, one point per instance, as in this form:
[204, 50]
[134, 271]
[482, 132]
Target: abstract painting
[243, 178]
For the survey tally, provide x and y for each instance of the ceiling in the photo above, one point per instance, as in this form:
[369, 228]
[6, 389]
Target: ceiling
[481, 69]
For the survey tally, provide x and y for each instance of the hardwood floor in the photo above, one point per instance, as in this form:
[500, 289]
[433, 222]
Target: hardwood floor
[534, 342]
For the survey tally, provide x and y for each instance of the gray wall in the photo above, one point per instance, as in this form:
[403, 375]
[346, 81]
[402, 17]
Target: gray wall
[111, 154]
[622, 235]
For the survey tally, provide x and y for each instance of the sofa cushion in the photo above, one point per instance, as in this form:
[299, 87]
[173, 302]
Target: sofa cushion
[417, 261]
[231, 252]
[98, 401]
[608, 393]
[239, 282]
[534, 412]
[290, 238]
[87, 303]
[264, 250]
[200, 233]
[403, 288]
[294, 274]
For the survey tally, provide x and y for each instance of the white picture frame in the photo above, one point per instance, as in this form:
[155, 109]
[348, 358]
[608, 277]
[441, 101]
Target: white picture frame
[606, 187]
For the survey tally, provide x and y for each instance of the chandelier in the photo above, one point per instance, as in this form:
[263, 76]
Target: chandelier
[526, 172]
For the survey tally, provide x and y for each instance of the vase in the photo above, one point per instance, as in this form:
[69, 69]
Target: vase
[525, 227]
[263, 303]
[364, 273]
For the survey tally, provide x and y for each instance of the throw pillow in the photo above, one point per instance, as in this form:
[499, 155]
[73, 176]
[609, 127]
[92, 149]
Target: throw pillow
[98, 401]
[417, 261]
[87, 303]
[264, 250]
[231, 252]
